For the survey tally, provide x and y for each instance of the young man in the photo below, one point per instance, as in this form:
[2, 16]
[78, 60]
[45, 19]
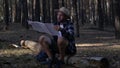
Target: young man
[64, 42]
[65, 28]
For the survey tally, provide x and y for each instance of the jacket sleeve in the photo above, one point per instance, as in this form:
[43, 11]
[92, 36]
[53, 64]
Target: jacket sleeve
[68, 31]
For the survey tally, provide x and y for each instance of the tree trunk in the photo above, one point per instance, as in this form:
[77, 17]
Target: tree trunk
[6, 14]
[100, 15]
[17, 11]
[61, 3]
[48, 11]
[29, 9]
[33, 11]
[117, 19]
[82, 15]
[10, 7]
[75, 17]
[117, 27]
[37, 10]
[55, 6]
[44, 10]
[24, 14]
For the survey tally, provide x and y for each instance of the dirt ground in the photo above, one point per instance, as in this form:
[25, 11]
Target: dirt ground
[91, 43]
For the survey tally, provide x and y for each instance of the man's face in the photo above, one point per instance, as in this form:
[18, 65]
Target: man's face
[60, 16]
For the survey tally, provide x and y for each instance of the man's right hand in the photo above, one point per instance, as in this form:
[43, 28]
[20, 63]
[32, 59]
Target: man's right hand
[57, 27]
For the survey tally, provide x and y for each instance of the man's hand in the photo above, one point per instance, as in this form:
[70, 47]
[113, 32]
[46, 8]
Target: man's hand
[57, 27]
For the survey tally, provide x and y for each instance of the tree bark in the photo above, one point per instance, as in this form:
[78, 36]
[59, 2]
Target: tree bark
[55, 6]
[117, 19]
[100, 16]
[6, 14]
[17, 11]
[37, 10]
[75, 17]
[10, 7]
[44, 10]
[33, 10]
[24, 14]
[48, 11]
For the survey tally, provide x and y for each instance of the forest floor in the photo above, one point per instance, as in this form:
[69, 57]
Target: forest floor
[91, 43]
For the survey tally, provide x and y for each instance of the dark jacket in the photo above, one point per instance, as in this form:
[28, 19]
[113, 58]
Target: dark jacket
[68, 33]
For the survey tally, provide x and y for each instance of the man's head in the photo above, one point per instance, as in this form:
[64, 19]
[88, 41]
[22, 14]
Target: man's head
[63, 14]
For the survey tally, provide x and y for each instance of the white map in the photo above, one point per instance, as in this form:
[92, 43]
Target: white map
[43, 27]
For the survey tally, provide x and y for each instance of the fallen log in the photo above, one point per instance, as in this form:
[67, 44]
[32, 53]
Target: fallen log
[88, 62]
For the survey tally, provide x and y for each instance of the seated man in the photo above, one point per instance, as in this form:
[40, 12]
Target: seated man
[63, 44]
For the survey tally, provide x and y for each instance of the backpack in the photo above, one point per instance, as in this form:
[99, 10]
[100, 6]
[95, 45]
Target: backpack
[71, 49]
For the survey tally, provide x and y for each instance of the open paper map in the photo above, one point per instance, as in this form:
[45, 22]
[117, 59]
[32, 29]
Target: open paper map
[43, 27]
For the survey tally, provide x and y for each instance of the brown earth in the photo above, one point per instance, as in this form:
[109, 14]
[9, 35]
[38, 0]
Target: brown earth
[91, 43]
